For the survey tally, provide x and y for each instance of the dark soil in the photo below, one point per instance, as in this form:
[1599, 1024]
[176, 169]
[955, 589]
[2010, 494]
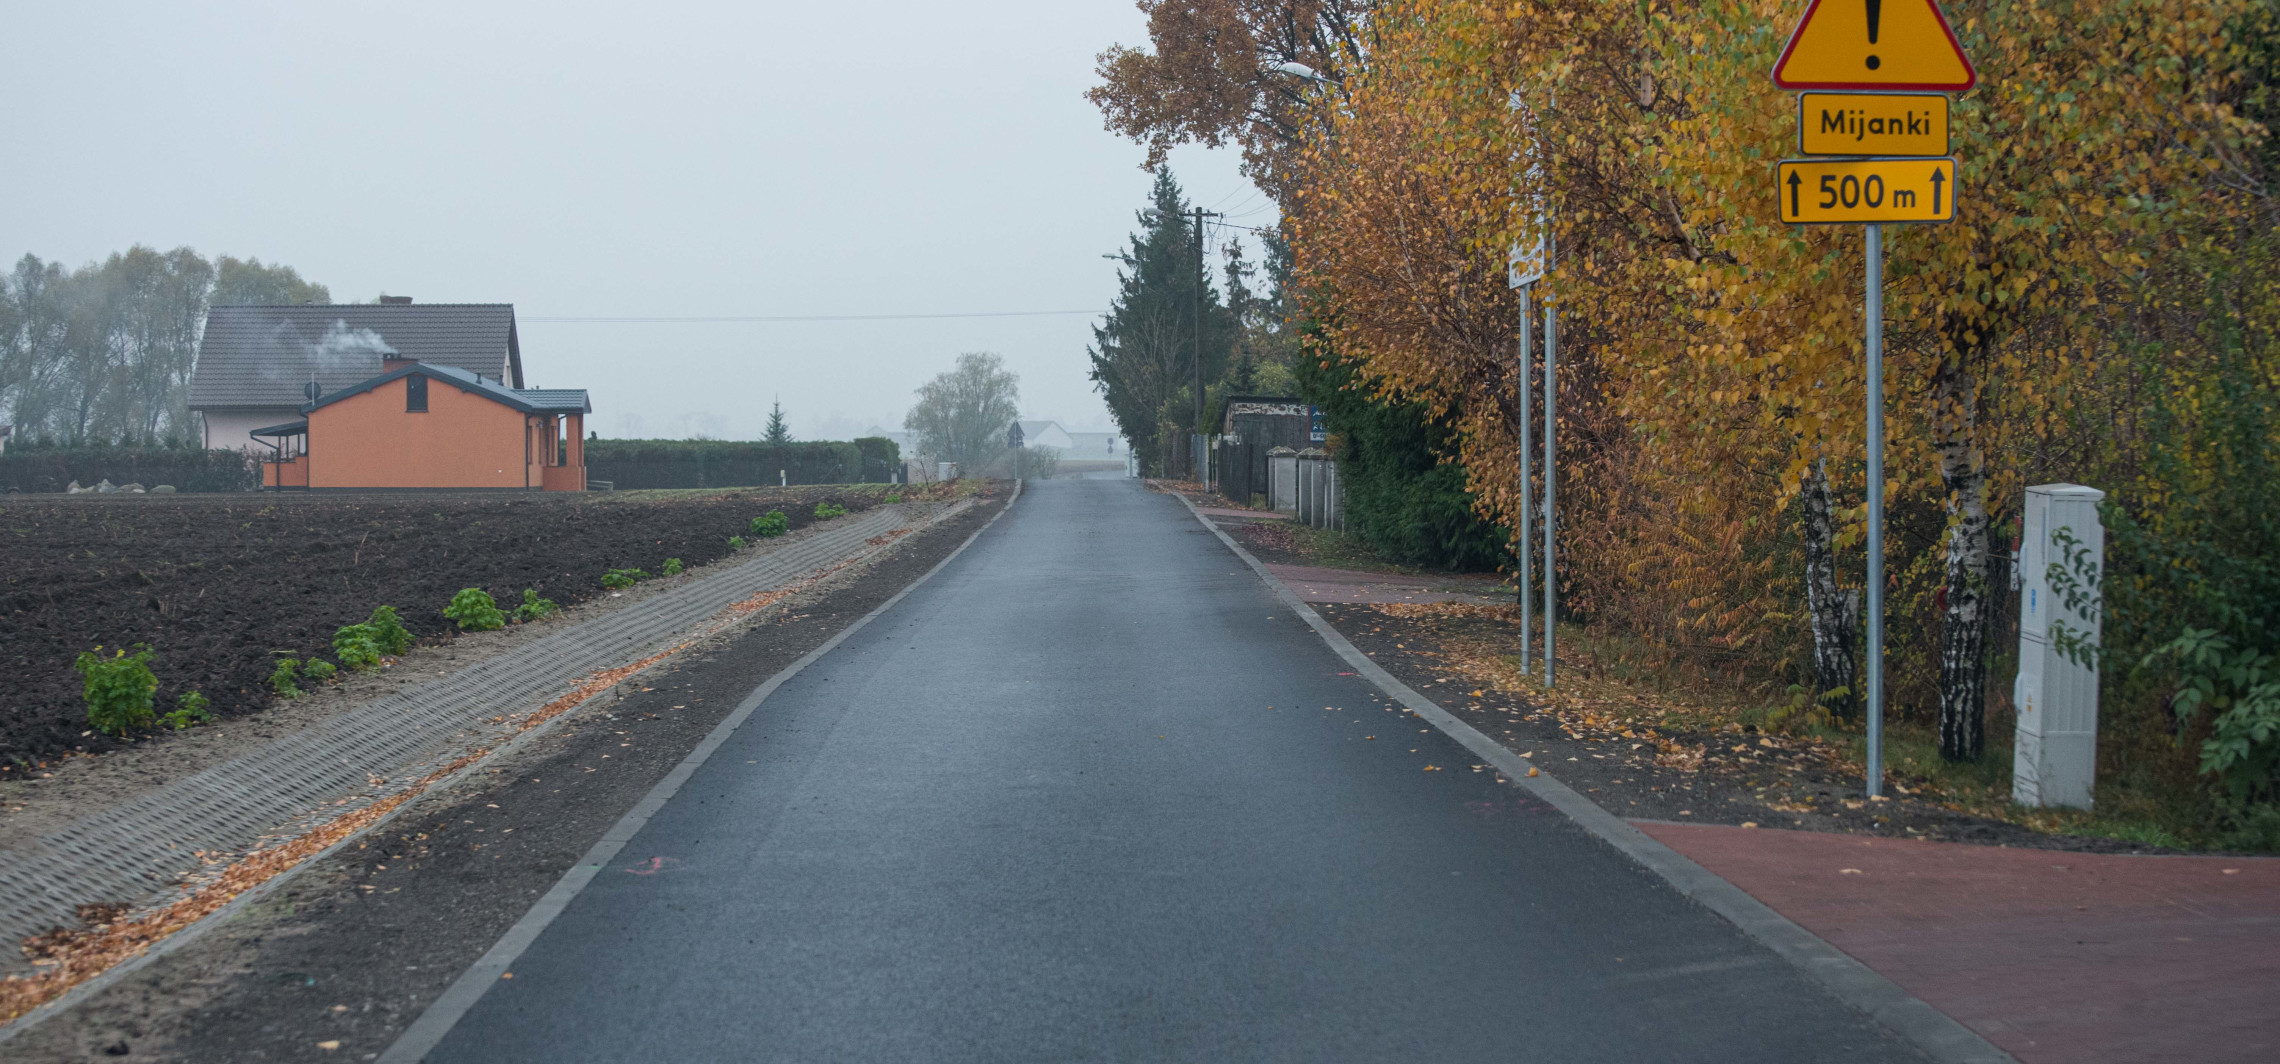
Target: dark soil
[220, 586]
[1743, 778]
[357, 946]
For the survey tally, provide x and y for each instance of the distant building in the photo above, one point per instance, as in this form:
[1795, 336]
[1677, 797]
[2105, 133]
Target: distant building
[1093, 446]
[386, 396]
[422, 427]
[256, 364]
[1044, 434]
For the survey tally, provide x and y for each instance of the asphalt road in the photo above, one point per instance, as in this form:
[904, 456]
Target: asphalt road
[1091, 795]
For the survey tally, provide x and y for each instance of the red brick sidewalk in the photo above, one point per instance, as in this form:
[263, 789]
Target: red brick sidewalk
[2051, 956]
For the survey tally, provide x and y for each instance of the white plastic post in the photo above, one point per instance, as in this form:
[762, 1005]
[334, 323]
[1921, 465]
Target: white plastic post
[1282, 480]
[2062, 555]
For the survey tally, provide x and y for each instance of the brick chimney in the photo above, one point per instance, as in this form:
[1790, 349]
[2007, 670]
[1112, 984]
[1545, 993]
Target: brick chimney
[395, 301]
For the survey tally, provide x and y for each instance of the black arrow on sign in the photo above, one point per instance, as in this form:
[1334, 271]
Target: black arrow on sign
[1794, 181]
[1938, 179]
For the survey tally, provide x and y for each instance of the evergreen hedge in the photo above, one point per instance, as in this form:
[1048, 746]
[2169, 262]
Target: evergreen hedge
[629, 464]
[45, 469]
[1398, 495]
[882, 457]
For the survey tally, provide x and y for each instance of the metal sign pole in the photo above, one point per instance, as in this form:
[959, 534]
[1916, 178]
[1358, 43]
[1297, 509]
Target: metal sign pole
[1875, 509]
[1551, 484]
[1527, 534]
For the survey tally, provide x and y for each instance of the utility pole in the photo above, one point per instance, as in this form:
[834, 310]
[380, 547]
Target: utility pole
[1198, 461]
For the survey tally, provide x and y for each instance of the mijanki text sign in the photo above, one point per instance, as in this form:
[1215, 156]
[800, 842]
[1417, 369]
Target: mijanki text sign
[1872, 123]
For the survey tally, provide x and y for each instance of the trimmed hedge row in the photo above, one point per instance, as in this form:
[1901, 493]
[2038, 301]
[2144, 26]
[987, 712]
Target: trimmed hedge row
[630, 464]
[47, 470]
[626, 463]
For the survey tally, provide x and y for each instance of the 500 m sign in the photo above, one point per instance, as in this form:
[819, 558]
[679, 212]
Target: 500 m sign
[1857, 191]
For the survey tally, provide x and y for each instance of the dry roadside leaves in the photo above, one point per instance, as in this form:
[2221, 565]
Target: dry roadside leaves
[66, 958]
[1601, 711]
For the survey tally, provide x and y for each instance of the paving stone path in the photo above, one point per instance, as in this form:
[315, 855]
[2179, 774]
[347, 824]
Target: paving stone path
[2079, 958]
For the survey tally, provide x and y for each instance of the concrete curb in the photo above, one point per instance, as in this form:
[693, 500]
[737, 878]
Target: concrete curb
[445, 1012]
[254, 895]
[1938, 1035]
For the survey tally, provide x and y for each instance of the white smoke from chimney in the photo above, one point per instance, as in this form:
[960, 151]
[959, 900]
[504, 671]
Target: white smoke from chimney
[346, 348]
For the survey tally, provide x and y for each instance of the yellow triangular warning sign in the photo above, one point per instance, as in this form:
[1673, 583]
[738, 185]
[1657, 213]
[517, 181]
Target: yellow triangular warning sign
[1874, 44]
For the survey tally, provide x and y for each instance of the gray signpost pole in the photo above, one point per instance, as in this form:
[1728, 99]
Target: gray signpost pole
[1904, 176]
[1551, 482]
[1527, 539]
[1875, 509]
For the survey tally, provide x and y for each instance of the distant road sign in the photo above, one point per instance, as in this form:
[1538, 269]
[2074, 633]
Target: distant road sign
[1872, 123]
[1524, 266]
[1874, 44]
[1854, 191]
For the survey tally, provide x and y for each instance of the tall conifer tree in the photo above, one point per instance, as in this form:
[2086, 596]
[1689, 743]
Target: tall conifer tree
[1144, 356]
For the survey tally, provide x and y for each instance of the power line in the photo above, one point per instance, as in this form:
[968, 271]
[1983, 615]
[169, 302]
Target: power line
[1231, 194]
[1249, 205]
[696, 319]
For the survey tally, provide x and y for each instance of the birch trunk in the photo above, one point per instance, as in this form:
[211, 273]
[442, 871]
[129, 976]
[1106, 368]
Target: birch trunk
[1963, 633]
[1834, 611]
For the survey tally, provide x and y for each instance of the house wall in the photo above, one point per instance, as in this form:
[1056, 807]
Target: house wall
[569, 436]
[232, 430]
[462, 441]
[292, 474]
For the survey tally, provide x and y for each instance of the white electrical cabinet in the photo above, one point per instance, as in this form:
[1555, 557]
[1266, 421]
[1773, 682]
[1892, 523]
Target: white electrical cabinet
[1282, 480]
[2062, 554]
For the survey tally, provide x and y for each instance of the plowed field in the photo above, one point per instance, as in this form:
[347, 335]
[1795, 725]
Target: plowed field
[222, 585]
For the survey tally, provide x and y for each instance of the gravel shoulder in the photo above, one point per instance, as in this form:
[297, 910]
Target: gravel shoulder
[335, 962]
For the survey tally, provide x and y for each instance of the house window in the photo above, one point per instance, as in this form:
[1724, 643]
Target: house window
[415, 394]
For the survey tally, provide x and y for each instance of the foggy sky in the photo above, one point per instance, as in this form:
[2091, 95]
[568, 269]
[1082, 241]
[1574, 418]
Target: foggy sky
[650, 160]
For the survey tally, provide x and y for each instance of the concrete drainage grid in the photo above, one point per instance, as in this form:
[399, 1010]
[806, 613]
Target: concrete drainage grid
[143, 851]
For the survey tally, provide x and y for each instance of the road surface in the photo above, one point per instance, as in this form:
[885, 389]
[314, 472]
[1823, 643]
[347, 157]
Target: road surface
[1091, 794]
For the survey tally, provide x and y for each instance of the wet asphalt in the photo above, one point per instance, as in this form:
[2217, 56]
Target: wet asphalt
[1092, 794]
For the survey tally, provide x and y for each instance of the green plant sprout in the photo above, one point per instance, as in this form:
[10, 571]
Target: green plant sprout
[118, 688]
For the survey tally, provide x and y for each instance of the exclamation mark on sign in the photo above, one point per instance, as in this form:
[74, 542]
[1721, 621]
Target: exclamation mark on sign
[1875, 15]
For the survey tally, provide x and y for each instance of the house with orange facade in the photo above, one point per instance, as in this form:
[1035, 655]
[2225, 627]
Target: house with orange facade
[424, 427]
[387, 396]
[258, 364]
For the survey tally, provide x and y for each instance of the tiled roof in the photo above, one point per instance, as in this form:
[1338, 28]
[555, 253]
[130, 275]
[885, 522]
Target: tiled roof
[527, 400]
[266, 355]
[554, 400]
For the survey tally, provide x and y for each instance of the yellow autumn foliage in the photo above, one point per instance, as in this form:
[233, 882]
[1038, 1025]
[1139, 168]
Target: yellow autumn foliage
[1712, 355]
